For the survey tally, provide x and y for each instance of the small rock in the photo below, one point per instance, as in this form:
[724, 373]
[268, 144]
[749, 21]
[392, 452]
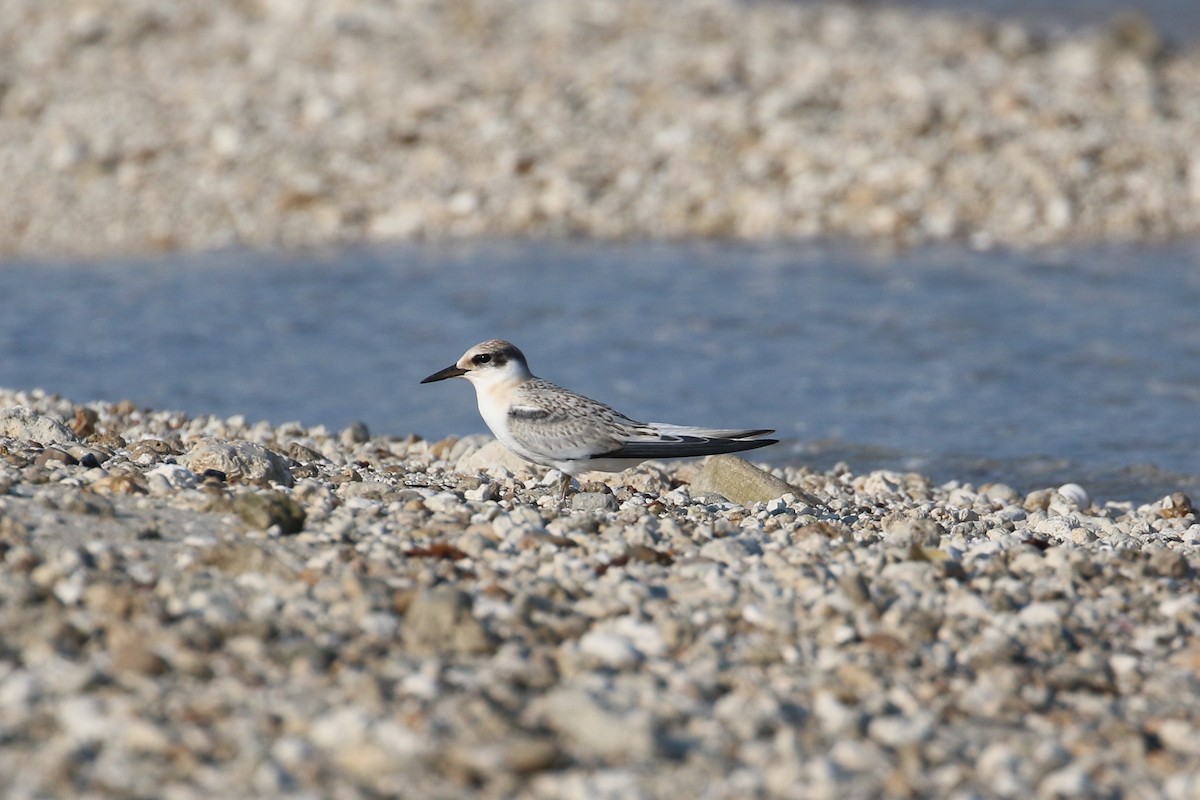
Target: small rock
[835, 717]
[89, 457]
[593, 501]
[1175, 505]
[1071, 781]
[1168, 563]
[527, 754]
[79, 503]
[854, 585]
[263, 509]
[484, 492]
[357, 433]
[444, 502]
[107, 439]
[999, 493]
[151, 451]
[143, 736]
[610, 649]
[900, 731]
[302, 454]
[905, 532]
[84, 424]
[1074, 496]
[52, 456]
[731, 550]
[439, 621]
[372, 490]
[167, 478]
[120, 483]
[1179, 735]
[514, 753]
[241, 558]
[132, 651]
[597, 730]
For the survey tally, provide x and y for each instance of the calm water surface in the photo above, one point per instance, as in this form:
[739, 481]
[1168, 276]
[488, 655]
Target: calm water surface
[1027, 368]
[1177, 21]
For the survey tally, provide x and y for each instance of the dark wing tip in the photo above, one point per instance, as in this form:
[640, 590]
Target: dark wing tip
[762, 432]
[687, 446]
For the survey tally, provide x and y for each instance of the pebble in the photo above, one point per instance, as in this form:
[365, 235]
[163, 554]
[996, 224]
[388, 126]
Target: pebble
[264, 510]
[905, 533]
[1074, 495]
[733, 550]
[594, 729]
[610, 649]
[483, 492]
[901, 731]
[439, 621]
[428, 629]
[169, 478]
[593, 501]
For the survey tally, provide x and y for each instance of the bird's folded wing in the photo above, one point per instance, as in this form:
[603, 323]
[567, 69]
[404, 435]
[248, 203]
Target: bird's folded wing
[683, 446]
[561, 433]
[667, 430]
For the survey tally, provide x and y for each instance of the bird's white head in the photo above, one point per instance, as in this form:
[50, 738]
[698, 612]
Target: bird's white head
[486, 364]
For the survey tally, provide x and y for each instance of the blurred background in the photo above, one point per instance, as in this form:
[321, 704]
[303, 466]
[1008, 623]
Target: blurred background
[954, 238]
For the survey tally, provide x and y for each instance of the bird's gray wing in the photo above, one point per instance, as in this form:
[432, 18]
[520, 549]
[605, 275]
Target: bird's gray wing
[666, 430]
[679, 441]
[561, 425]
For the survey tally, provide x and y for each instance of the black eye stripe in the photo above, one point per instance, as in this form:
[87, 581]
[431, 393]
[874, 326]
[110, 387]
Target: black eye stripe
[489, 358]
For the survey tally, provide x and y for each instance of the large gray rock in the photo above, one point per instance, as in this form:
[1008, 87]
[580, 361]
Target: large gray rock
[492, 457]
[740, 481]
[240, 461]
[20, 423]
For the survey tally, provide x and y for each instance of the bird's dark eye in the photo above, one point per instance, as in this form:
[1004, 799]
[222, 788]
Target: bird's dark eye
[482, 358]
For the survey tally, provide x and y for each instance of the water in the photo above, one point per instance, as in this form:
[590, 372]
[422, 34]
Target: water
[1028, 368]
[1178, 21]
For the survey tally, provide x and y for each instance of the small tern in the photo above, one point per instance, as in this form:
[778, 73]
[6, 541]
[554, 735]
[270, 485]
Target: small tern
[554, 427]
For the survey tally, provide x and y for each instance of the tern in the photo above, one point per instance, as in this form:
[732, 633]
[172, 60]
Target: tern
[554, 427]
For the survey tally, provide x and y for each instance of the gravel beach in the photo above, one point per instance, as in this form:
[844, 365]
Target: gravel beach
[202, 607]
[135, 126]
[206, 607]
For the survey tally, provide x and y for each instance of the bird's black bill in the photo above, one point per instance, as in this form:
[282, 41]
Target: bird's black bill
[452, 371]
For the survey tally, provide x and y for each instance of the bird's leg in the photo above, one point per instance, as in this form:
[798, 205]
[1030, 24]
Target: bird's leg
[566, 484]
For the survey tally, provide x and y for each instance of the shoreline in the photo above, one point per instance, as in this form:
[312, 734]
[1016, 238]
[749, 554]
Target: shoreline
[137, 128]
[198, 606]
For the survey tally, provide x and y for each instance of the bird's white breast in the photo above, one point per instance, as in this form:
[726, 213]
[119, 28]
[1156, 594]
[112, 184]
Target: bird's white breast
[494, 402]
